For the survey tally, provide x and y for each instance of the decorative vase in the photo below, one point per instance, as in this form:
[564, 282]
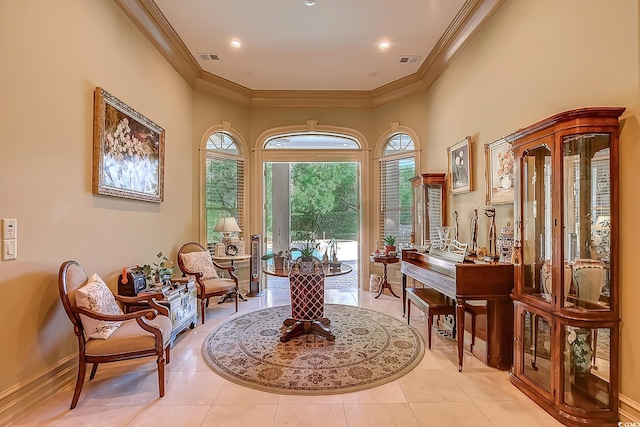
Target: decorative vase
[506, 182]
[278, 262]
[505, 243]
[589, 279]
[374, 282]
[581, 352]
[545, 276]
[389, 248]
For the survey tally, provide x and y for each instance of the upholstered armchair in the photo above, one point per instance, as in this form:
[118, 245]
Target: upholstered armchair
[195, 260]
[104, 332]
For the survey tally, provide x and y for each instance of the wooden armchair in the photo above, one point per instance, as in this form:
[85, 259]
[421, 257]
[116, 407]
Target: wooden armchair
[195, 260]
[142, 333]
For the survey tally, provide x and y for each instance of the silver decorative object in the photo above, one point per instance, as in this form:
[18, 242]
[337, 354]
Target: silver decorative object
[505, 243]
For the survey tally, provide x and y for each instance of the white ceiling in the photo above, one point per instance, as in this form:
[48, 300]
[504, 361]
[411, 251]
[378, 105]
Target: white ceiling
[332, 45]
[294, 55]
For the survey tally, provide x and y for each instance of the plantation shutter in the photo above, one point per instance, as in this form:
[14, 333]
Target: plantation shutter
[224, 191]
[395, 214]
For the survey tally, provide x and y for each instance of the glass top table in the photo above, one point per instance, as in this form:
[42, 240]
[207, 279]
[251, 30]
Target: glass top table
[329, 271]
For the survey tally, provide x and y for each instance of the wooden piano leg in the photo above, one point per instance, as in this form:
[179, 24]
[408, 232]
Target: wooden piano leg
[404, 294]
[460, 331]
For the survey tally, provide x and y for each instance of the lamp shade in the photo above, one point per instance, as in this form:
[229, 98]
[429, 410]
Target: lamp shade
[227, 225]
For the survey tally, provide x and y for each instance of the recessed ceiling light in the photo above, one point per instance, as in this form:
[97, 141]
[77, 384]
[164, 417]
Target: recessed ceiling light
[384, 45]
[236, 43]
[309, 2]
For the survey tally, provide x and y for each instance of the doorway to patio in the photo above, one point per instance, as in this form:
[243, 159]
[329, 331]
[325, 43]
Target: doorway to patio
[312, 209]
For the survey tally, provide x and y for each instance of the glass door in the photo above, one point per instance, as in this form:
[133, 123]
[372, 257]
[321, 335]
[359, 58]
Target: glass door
[536, 223]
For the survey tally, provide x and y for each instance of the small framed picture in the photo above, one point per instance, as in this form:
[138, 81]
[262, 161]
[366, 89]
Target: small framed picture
[499, 172]
[460, 166]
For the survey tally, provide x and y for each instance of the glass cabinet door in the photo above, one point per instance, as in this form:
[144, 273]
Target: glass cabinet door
[536, 222]
[537, 349]
[587, 224]
[428, 207]
[418, 216]
[434, 209]
[587, 368]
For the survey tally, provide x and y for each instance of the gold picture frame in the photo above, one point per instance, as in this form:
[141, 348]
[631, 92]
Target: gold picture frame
[499, 172]
[460, 169]
[128, 151]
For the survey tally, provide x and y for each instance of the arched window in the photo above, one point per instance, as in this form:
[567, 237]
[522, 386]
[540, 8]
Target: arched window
[396, 168]
[224, 183]
[312, 141]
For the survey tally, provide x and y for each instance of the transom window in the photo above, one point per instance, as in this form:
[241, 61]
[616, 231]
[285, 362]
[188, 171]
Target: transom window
[312, 141]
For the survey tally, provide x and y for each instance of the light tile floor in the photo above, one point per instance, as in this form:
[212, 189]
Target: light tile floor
[433, 394]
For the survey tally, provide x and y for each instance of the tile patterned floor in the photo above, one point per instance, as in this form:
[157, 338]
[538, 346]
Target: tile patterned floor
[433, 394]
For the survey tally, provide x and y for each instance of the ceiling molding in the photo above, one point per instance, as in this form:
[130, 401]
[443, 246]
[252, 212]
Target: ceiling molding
[148, 18]
[311, 99]
[473, 15]
[224, 88]
[152, 23]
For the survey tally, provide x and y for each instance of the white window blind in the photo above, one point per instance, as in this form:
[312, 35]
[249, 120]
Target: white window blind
[224, 191]
[396, 194]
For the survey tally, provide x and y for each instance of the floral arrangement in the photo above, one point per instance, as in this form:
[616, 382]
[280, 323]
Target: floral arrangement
[123, 143]
[505, 164]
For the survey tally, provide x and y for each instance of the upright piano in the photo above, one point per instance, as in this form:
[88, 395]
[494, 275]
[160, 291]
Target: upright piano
[464, 281]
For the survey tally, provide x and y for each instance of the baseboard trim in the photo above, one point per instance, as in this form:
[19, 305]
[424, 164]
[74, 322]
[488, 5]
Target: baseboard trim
[629, 410]
[26, 395]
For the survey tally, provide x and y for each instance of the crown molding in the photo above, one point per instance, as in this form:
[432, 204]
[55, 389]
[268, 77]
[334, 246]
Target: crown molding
[311, 99]
[224, 88]
[155, 27]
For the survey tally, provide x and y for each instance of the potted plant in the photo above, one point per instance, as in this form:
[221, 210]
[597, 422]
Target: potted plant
[278, 259]
[159, 272]
[307, 247]
[389, 244]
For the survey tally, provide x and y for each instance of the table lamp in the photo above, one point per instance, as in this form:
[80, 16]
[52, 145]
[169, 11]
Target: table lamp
[227, 225]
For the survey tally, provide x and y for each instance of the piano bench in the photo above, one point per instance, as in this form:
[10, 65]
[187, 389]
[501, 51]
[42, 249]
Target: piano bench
[432, 302]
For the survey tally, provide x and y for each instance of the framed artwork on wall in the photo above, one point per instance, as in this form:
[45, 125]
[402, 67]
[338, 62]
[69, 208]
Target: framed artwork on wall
[460, 166]
[128, 151]
[499, 172]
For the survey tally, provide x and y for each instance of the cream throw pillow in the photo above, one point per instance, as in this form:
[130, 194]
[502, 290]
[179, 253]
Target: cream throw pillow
[200, 262]
[97, 296]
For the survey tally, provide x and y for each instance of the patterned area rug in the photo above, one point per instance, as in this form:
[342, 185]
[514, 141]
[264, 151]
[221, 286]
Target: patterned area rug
[370, 349]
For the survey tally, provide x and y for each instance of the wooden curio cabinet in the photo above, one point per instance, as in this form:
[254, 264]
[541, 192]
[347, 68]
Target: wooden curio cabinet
[566, 289]
[429, 197]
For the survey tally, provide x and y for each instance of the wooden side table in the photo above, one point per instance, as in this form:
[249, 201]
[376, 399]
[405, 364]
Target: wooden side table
[385, 260]
[231, 258]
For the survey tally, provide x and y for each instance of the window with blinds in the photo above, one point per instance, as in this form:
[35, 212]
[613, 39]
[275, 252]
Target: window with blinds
[396, 171]
[224, 183]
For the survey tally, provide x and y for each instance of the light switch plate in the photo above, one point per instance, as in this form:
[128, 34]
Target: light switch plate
[9, 228]
[9, 249]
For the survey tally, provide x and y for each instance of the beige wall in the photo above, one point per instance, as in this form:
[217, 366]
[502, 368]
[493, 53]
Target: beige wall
[53, 56]
[533, 59]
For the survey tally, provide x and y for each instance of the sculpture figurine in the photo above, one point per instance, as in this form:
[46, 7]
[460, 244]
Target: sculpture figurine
[491, 213]
[474, 232]
[455, 225]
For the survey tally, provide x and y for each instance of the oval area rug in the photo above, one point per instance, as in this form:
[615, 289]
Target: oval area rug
[370, 349]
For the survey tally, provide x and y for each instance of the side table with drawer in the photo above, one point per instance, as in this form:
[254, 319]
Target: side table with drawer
[180, 298]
